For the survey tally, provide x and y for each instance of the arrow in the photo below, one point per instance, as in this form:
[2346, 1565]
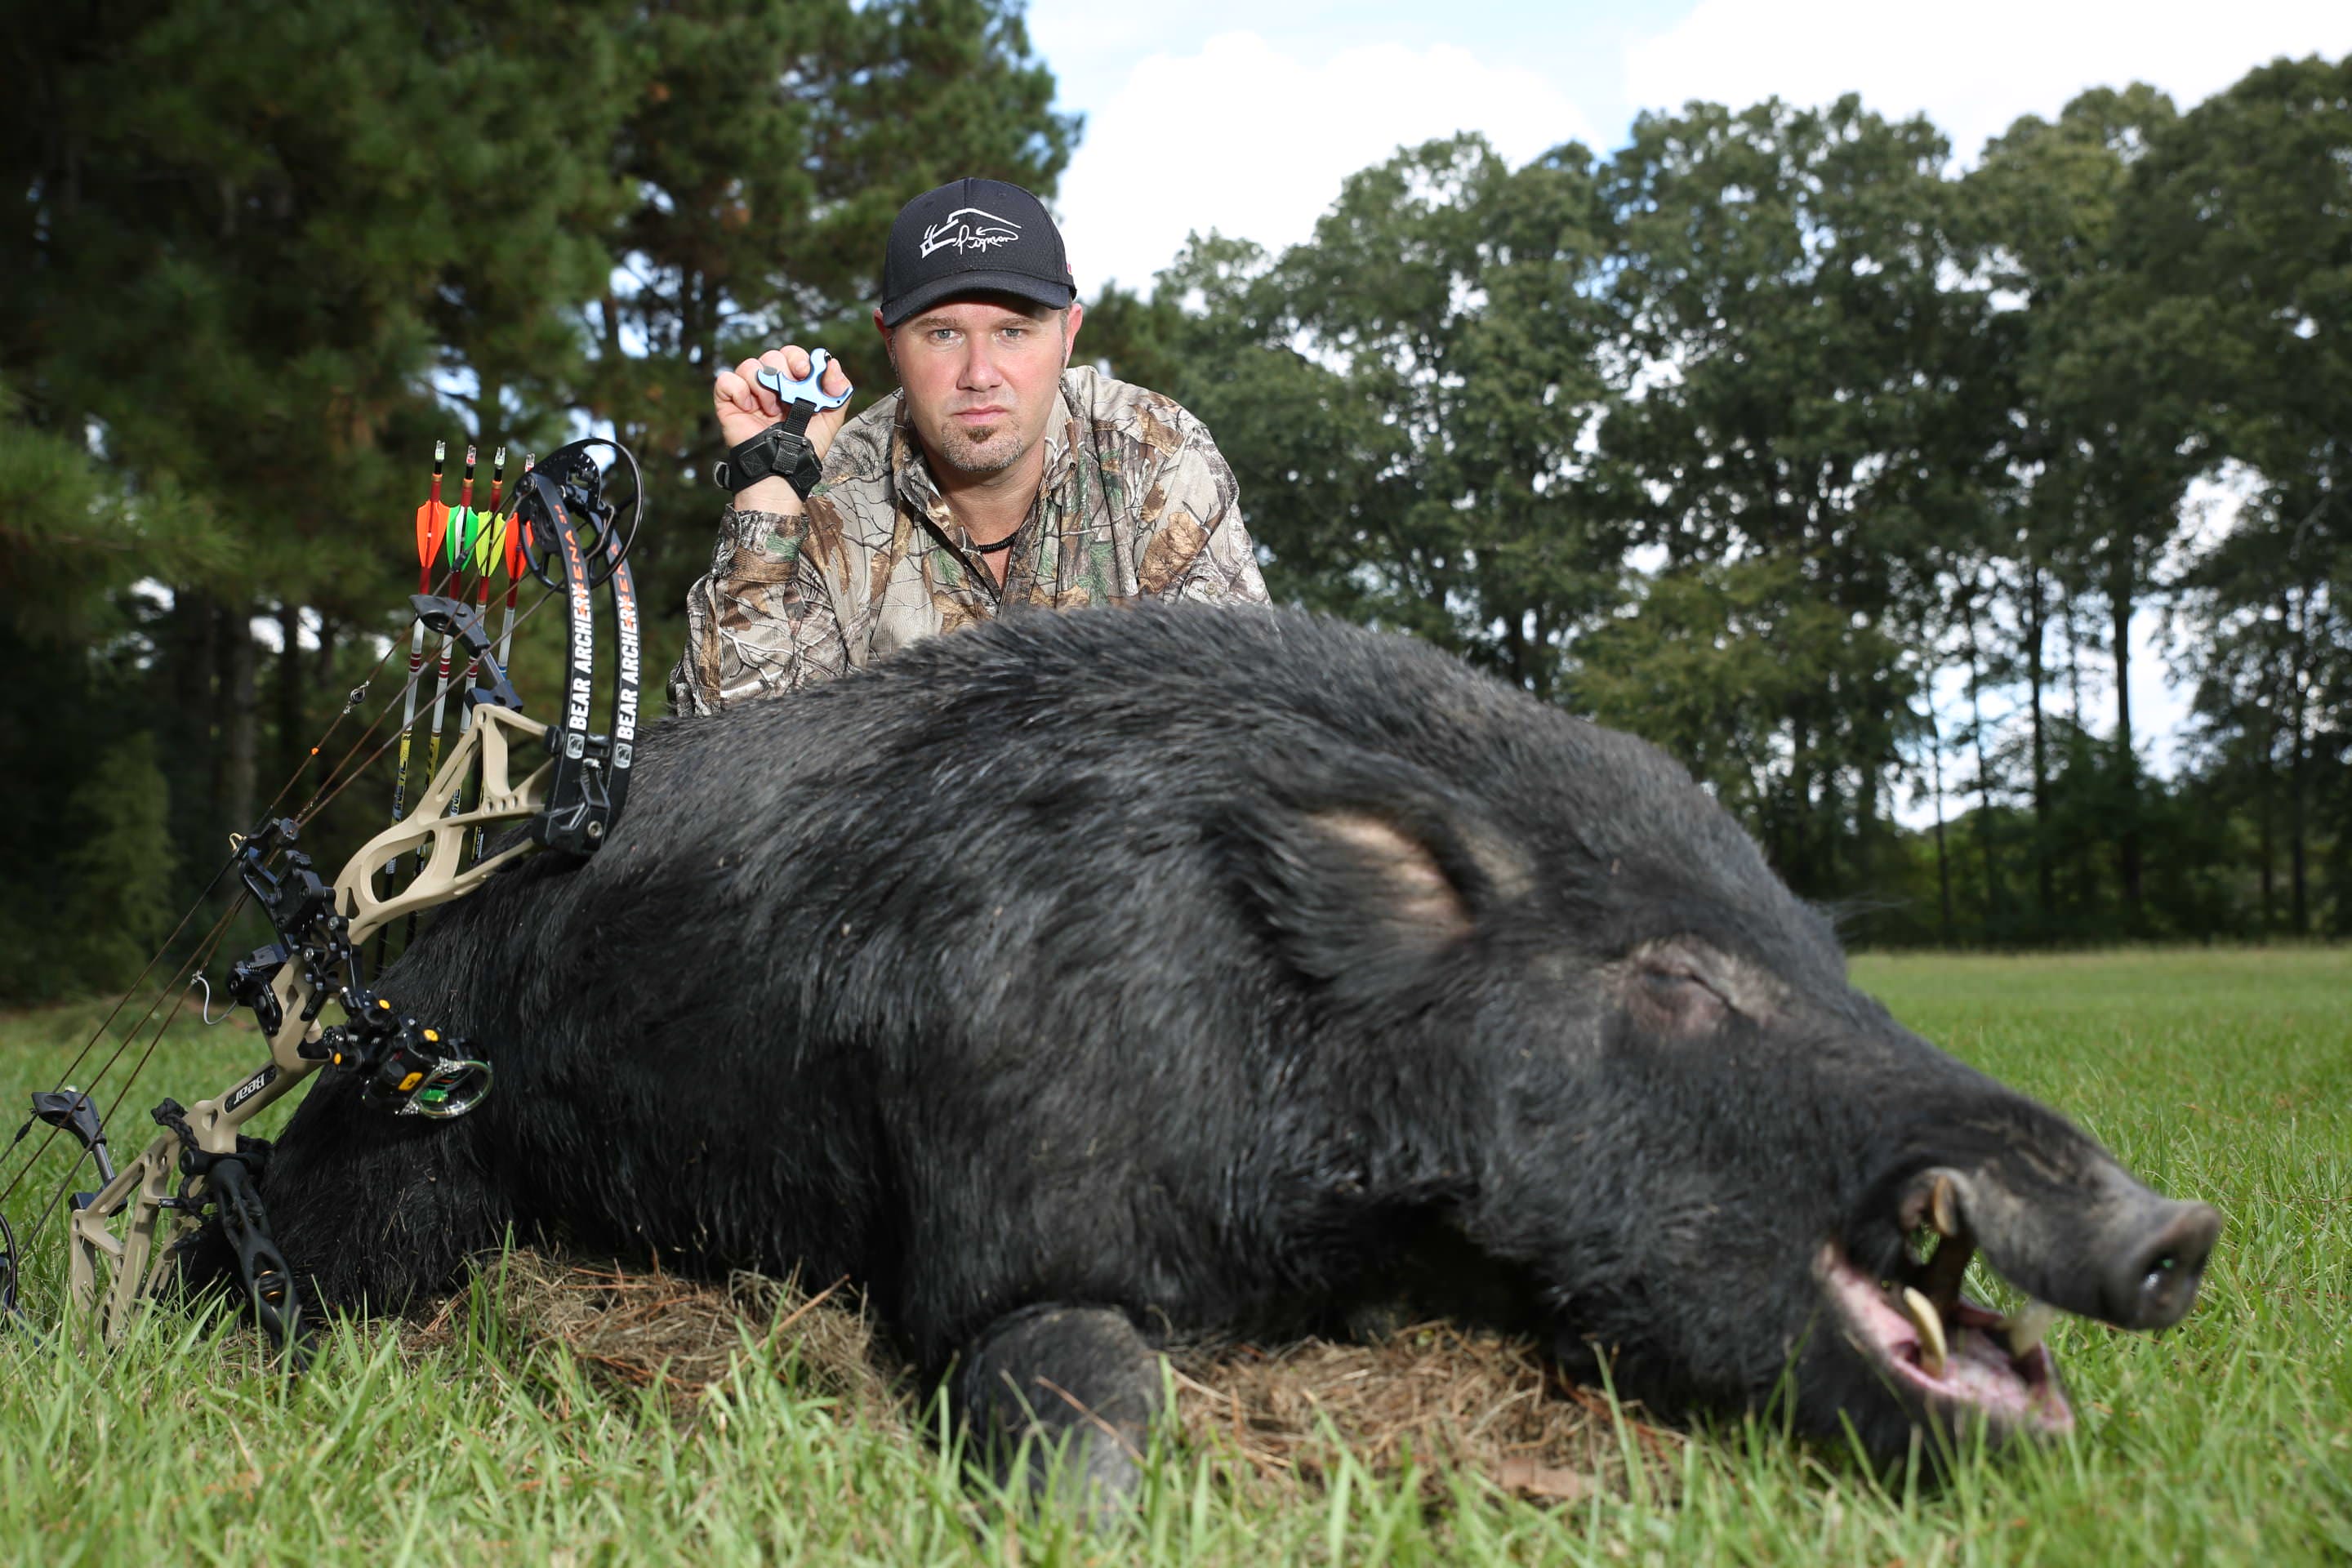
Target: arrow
[492, 527]
[484, 548]
[489, 527]
[516, 534]
[431, 521]
[460, 524]
[464, 521]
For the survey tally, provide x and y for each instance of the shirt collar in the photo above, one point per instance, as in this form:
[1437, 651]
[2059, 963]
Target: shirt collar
[910, 473]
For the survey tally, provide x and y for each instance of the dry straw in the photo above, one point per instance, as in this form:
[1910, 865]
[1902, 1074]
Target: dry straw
[1432, 1398]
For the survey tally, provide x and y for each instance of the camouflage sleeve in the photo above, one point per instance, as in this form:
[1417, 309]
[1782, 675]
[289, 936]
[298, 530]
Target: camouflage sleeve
[759, 621]
[1201, 551]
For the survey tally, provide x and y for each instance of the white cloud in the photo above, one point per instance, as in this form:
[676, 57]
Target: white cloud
[1972, 72]
[1247, 139]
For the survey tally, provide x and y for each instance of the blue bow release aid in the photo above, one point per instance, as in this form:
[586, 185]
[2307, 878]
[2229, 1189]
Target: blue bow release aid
[783, 450]
[810, 388]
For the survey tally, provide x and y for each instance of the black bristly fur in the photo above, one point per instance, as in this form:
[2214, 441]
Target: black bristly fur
[1018, 972]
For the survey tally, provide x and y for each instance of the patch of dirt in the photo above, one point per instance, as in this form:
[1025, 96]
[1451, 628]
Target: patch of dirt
[1434, 1396]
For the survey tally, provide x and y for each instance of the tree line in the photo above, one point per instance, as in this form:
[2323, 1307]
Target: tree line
[1839, 474]
[1845, 476]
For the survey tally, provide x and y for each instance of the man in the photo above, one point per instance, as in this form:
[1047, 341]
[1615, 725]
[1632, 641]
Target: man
[996, 477]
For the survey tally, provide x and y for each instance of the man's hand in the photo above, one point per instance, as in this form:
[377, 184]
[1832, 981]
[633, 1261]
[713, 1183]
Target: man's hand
[745, 408]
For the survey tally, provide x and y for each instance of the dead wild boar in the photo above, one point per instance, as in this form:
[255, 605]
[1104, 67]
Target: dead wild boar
[1076, 982]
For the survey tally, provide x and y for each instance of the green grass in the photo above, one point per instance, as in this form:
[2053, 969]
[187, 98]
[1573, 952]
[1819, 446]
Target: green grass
[2222, 1074]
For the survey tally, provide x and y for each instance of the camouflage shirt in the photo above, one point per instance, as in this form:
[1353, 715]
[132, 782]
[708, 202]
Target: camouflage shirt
[1135, 503]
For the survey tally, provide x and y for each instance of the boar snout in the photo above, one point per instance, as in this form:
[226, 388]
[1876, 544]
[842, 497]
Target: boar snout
[2154, 1261]
[2129, 1255]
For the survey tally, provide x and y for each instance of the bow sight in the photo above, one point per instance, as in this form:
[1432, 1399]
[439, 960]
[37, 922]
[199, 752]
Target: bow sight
[562, 785]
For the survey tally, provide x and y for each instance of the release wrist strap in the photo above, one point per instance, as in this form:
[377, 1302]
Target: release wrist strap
[783, 449]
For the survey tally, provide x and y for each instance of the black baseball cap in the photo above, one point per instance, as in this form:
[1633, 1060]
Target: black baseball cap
[974, 237]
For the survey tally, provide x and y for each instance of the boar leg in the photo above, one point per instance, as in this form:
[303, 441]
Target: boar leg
[1076, 1381]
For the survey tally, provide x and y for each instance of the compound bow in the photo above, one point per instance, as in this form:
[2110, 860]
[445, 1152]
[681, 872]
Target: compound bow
[564, 782]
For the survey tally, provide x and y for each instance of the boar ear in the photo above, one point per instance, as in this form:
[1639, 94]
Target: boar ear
[1364, 897]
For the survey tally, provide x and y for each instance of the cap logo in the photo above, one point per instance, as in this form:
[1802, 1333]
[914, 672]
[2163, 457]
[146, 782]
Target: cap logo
[969, 228]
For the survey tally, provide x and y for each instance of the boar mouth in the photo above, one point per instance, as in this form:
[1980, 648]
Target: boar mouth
[1955, 1356]
[2103, 1247]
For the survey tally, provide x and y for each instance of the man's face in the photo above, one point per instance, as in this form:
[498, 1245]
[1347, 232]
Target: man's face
[982, 377]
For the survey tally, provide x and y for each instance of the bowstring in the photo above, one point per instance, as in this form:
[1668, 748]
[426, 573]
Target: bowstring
[320, 802]
[283, 790]
[196, 960]
[204, 950]
[207, 891]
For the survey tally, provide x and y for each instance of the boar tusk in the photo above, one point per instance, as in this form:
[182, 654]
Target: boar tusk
[2028, 1324]
[1944, 1207]
[1930, 1324]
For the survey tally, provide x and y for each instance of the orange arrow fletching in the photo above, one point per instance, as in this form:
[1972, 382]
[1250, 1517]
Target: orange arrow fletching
[431, 521]
[431, 517]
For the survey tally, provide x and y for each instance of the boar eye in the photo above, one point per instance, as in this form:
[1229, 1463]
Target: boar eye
[1679, 997]
[1685, 985]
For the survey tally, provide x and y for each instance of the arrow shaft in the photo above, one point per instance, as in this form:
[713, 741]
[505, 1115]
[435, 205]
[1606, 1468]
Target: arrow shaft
[486, 537]
[457, 538]
[430, 518]
[407, 724]
[516, 537]
[506, 632]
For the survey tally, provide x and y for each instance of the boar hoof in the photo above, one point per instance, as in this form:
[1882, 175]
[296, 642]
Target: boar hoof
[1077, 1383]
